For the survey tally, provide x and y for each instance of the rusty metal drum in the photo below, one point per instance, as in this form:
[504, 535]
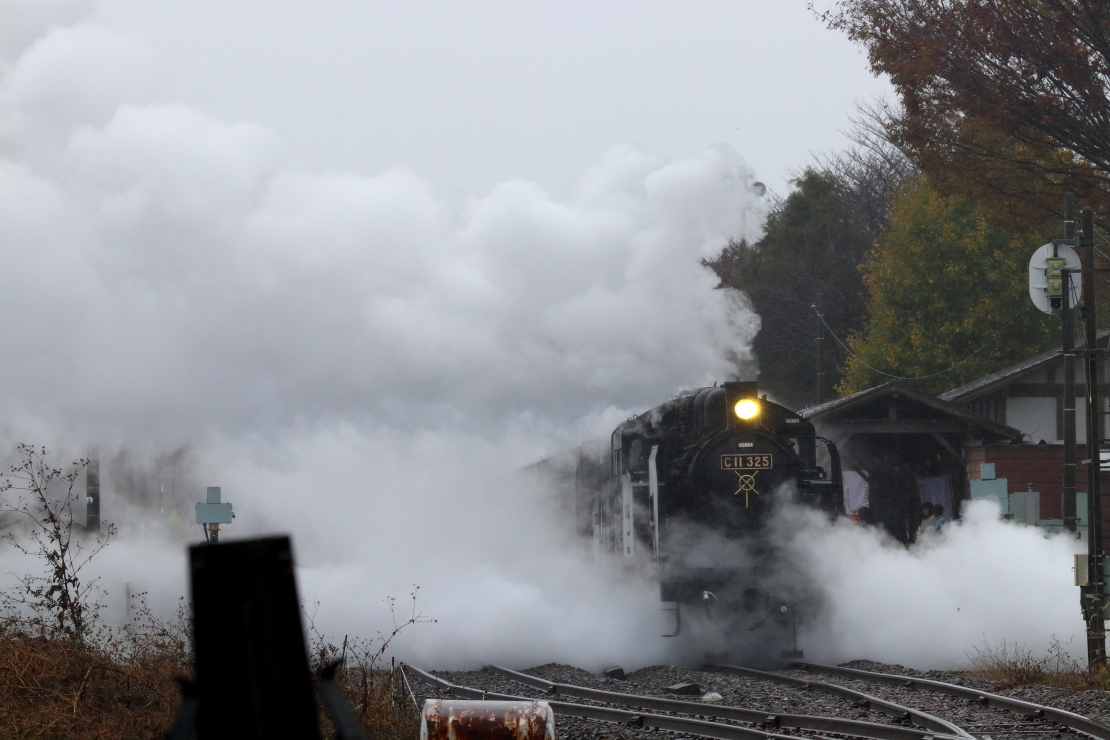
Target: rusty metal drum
[487, 720]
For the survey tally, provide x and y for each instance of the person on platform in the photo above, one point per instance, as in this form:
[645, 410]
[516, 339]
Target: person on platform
[928, 518]
[939, 519]
[867, 516]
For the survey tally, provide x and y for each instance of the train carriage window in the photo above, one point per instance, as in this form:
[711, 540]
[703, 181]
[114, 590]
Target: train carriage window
[635, 453]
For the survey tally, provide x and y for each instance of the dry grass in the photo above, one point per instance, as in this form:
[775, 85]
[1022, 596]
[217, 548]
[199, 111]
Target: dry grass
[377, 693]
[111, 684]
[63, 674]
[123, 683]
[1012, 665]
[381, 701]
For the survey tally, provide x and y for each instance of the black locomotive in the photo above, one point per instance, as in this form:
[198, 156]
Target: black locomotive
[689, 487]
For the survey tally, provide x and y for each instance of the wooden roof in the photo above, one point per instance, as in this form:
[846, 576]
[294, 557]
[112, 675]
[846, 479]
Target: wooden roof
[893, 408]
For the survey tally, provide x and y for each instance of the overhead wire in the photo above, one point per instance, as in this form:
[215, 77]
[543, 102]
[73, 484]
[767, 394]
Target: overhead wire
[1074, 302]
[913, 377]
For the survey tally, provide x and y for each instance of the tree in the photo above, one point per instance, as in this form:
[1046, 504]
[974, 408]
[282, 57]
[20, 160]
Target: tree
[61, 602]
[870, 173]
[810, 254]
[948, 289]
[1003, 101]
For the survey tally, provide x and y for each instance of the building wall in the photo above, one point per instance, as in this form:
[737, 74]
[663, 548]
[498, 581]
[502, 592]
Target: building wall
[1033, 404]
[1033, 416]
[1036, 464]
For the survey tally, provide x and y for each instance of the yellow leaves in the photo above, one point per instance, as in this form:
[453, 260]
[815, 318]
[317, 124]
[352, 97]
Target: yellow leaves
[946, 288]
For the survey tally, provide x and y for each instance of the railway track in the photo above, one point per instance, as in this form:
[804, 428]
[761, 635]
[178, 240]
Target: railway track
[751, 713]
[1029, 710]
[617, 716]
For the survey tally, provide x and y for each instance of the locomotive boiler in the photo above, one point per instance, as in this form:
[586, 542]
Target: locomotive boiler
[688, 490]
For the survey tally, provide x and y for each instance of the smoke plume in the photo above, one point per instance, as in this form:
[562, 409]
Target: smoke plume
[353, 359]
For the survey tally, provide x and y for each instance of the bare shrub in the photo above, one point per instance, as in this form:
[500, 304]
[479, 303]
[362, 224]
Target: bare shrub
[110, 684]
[1010, 665]
[58, 603]
[63, 673]
[378, 693]
[1006, 664]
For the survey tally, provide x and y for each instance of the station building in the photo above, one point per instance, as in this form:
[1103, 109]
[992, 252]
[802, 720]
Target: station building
[999, 437]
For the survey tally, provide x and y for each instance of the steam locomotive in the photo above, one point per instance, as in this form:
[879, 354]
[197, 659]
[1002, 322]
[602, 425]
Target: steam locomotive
[689, 488]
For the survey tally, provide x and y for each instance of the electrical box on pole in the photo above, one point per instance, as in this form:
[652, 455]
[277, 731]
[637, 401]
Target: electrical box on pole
[213, 513]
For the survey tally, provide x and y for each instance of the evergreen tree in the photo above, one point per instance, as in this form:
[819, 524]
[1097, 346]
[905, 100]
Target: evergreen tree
[948, 289]
[810, 255]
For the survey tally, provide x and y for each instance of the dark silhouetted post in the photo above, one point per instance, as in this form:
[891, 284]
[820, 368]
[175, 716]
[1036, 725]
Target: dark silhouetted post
[1067, 502]
[1096, 636]
[92, 493]
[819, 347]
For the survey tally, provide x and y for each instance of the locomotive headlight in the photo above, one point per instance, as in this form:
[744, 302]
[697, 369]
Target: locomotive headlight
[747, 409]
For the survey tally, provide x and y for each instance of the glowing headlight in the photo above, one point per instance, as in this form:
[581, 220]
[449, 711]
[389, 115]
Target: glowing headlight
[747, 409]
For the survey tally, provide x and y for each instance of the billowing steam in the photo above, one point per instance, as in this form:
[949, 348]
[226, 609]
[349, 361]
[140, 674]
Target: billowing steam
[363, 364]
[353, 359]
[978, 582]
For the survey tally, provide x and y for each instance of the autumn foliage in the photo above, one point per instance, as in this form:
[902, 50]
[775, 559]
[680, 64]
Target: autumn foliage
[949, 297]
[1002, 101]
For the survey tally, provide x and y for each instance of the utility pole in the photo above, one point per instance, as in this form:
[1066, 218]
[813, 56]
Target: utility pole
[1067, 502]
[92, 493]
[1050, 288]
[1095, 597]
[819, 347]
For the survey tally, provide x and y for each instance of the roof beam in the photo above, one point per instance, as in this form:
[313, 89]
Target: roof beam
[951, 449]
[893, 426]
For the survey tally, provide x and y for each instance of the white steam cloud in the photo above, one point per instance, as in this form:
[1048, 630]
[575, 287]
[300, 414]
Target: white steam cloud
[356, 361]
[362, 364]
[978, 582]
[174, 276]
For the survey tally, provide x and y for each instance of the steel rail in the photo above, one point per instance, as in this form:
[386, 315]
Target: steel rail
[699, 727]
[923, 719]
[835, 725]
[1060, 716]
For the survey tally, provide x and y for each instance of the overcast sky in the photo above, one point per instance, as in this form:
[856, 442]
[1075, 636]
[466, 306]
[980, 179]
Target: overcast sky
[468, 94]
[261, 212]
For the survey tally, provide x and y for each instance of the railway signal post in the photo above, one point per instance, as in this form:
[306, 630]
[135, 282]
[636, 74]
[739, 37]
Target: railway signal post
[1052, 290]
[1095, 595]
[1067, 503]
[212, 514]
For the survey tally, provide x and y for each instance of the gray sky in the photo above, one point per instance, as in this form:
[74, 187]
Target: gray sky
[471, 94]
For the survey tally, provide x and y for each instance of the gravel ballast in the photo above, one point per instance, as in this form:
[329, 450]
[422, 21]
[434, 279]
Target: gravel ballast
[985, 722]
